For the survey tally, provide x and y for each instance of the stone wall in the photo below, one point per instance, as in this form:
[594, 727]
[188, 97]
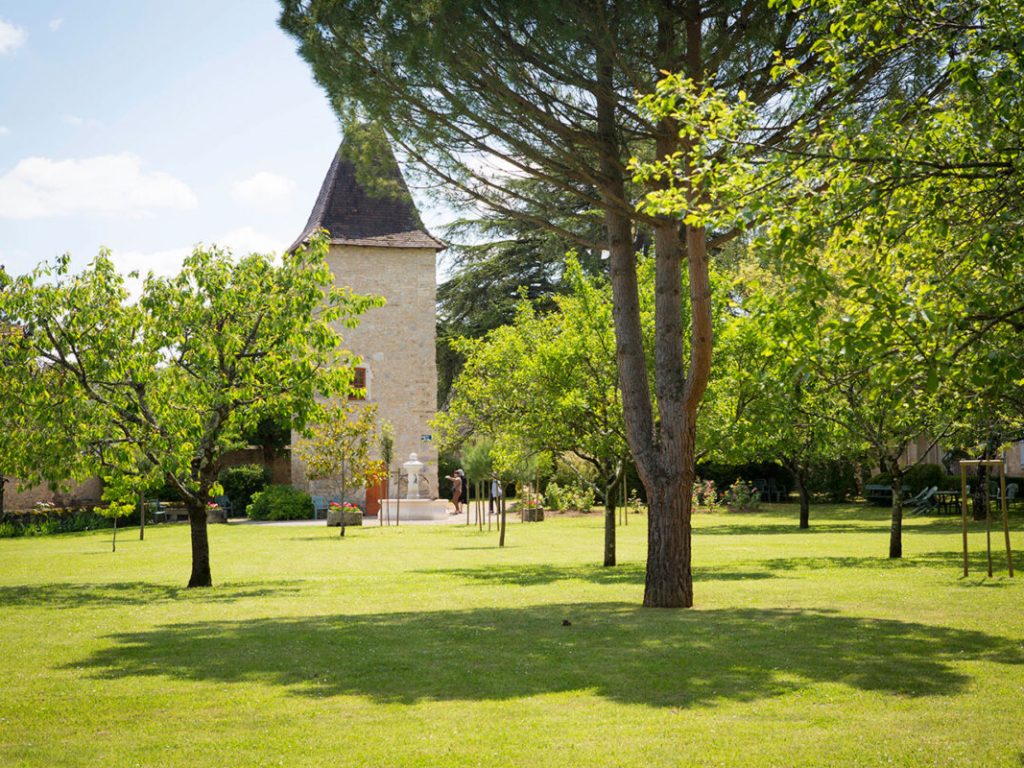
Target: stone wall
[86, 493]
[396, 342]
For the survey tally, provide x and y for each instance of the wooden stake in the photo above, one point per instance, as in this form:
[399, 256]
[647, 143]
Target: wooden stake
[963, 507]
[1006, 519]
[988, 526]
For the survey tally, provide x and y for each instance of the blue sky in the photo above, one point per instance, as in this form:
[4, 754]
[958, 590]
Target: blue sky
[150, 126]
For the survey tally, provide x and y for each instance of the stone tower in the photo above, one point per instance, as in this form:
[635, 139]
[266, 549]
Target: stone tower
[379, 246]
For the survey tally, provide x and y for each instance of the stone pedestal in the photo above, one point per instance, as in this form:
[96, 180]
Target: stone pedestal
[415, 509]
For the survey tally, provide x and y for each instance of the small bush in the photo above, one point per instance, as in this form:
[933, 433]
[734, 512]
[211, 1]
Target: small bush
[47, 519]
[834, 481]
[565, 498]
[922, 476]
[280, 502]
[741, 497]
[242, 483]
[705, 494]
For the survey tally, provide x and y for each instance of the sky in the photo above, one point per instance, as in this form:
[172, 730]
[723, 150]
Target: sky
[147, 127]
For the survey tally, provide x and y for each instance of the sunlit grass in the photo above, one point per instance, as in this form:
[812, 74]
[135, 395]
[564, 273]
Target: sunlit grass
[430, 646]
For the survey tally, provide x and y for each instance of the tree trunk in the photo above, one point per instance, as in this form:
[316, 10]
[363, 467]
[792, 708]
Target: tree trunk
[501, 536]
[609, 525]
[669, 582]
[142, 517]
[664, 453]
[805, 497]
[896, 531]
[3, 486]
[200, 546]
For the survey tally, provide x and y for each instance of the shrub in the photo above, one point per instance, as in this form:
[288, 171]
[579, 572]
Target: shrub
[242, 483]
[571, 497]
[922, 476]
[280, 502]
[835, 480]
[705, 494]
[724, 474]
[46, 519]
[741, 497]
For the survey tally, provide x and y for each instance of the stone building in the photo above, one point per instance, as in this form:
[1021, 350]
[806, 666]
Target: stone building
[378, 245]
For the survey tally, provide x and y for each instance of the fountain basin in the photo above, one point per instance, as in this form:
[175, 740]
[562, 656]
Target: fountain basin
[416, 509]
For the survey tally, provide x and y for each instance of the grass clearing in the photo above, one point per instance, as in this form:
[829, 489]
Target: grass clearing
[428, 645]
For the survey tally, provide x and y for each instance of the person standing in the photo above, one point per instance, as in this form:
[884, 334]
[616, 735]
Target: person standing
[495, 493]
[457, 484]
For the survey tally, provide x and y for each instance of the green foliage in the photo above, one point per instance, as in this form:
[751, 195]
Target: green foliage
[160, 388]
[241, 483]
[741, 497]
[477, 459]
[51, 520]
[833, 480]
[722, 474]
[544, 384]
[338, 448]
[569, 498]
[921, 476]
[272, 434]
[280, 502]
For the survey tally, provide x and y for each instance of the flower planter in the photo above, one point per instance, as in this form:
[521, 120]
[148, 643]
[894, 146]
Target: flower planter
[533, 514]
[216, 515]
[335, 516]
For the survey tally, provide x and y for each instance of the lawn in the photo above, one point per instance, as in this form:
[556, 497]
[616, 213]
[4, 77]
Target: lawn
[429, 646]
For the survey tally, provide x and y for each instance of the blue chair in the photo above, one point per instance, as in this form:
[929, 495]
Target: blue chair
[319, 505]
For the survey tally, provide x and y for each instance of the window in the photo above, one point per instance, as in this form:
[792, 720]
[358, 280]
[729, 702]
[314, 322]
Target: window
[359, 382]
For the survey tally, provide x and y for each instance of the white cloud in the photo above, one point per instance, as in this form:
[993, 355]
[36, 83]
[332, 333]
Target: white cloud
[80, 122]
[56, 23]
[246, 240]
[4, 130]
[11, 37]
[242, 241]
[263, 189]
[40, 187]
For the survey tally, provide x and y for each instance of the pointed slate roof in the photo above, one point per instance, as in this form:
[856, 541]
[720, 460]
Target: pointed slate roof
[364, 199]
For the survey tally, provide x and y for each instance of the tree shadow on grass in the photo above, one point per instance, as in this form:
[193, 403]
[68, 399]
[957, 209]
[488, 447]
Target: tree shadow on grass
[618, 651]
[537, 575]
[771, 568]
[951, 560]
[71, 595]
[771, 529]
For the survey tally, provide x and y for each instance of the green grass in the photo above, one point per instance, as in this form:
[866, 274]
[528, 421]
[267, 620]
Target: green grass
[430, 646]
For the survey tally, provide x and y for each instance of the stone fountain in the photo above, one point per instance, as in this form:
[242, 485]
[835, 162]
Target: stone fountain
[412, 507]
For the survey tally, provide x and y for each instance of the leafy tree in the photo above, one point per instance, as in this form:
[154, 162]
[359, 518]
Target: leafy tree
[514, 85]
[773, 407]
[339, 447]
[548, 382]
[177, 377]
